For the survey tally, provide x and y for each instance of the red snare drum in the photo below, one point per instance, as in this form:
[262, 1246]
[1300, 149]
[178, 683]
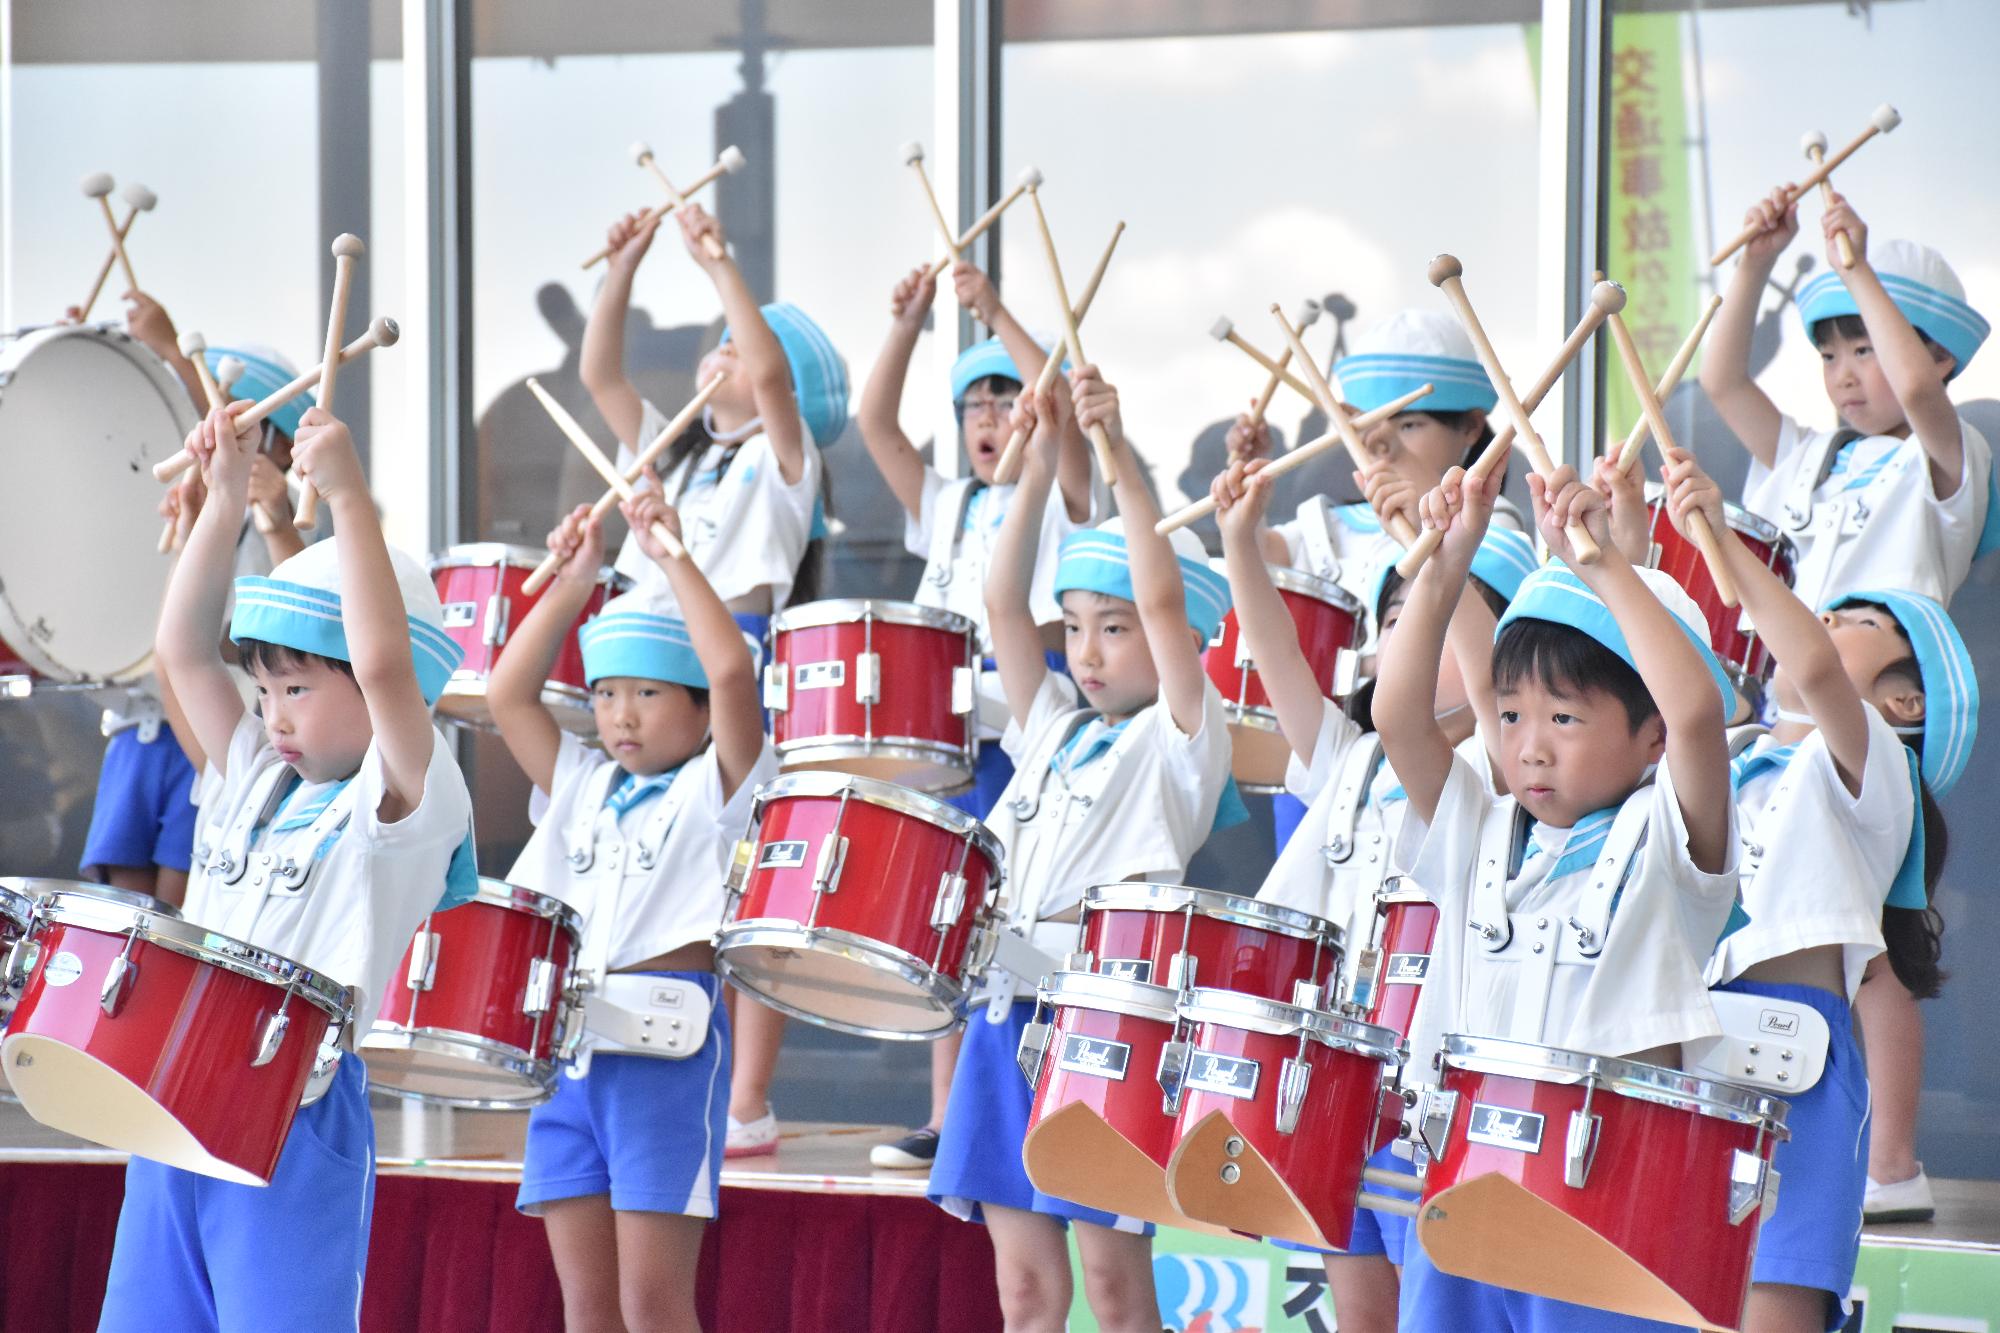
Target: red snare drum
[1330, 628]
[1102, 1127]
[1389, 974]
[856, 905]
[880, 689]
[1279, 1106]
[486, 1001]
[1743, 653]
[146, 1034]
[480, 586]
[1172, 935]
[1608, 1183]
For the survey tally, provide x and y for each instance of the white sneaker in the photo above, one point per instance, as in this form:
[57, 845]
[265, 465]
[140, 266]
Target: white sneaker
[1904, 1201]
[759, 1138]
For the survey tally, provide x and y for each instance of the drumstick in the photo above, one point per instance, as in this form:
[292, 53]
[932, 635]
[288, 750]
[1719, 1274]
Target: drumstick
[1635, 441]
[384, 332]
[1007, 471]
[1697, 524]
[1224, 331]
[913, 158]
[1029, 179]
[1885, 119]
[1814, 144]
[605, 469]
[1297, 458]
[97, 185]
[543, 572]
[347, 247]
[727, 163]
[1447, 274]
[230, 369]
[193, 346]
[138, 199]
[646, 159]
[1100, 439]
[1309, 314]
[1606, 298]
[1397, 524]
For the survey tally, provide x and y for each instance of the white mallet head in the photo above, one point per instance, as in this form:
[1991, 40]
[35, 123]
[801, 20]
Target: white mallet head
[384, 331]
[97, 184]
[1221, 329]
[227, 371]
[348, 246]
[192, 344]
[1812, 143]
[139, 197]
[1608, 297]
[913, 153]
[641, 151]
[1031, 178]
[732, 159]
[1309, 312]
[1886, 118]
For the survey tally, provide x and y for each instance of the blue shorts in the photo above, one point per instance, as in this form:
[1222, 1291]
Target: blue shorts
[648, 1132]
[985, 1123]
[197, 1253]
[144, 814]
[1374, 1233]
[1434, 1302]
[1814, 1237]
[1287, 812]
[995, 771]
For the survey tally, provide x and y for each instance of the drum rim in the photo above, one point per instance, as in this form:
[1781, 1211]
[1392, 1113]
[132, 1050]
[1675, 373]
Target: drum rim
[491, 555]
[1071, 988]
[1290, 579]
[870, 953]
[1215, 904]
[89, 912]
[482, 1051]
[903, 800]
[17, 884]
[1238, 1009]
[503, 894]
[1750, 524]
[850, 610]
[1387, 897]
[835, 748]
[1627, 1078]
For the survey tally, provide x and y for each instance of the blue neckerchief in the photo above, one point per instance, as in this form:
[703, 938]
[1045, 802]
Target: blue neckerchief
[1738, 918]
[1908, 890]
[1746, 768]
[1582, 844]
[1360, 517]
[1863, 479]
[976, 505]
[288, 820]
[461, 877]
[820, 530]
[1230, 810]
[630, 790]
[1068, 761]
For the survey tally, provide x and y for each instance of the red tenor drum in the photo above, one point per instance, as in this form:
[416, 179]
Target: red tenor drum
[1102, 1125]
[1389, 974]
[880, 689]
[480, 586]
[1730, 633]
[856, 905]
[1608, 1183]
[486, 1002]
[1330, 628]
[1279, 1106]
[1172, 935]
[147, 1034]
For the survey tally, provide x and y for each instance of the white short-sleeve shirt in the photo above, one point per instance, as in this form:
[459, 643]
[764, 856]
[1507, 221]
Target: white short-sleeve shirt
[1645, 987]
[1818, 863]
[654, 875]
[746, 527]
[355, 904]
[955, 569]
[1873, 519]
[1142, 809]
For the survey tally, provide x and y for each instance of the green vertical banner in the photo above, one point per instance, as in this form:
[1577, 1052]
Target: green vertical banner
[1649, 204]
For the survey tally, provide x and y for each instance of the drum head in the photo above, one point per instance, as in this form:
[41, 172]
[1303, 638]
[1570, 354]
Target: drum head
[85, 413]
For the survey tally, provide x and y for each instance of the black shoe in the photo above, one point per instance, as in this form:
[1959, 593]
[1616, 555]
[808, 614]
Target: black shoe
[913, 1152]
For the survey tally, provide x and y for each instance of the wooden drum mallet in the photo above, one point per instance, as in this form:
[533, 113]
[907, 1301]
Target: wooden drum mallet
[1697, 525]
[1100, 439]
[347, 248]
[1309, 313]
[913, 158]
[605, 468]
[230, 369]
[1814, 144]
[727, 163]
[1447, 274]
[1224, 331]
[1606, 299]
[1885, 119]
[1029, 180]
[543, 572]
[1008, 470]
[1635, 441]
[97, 185]
[138, 199]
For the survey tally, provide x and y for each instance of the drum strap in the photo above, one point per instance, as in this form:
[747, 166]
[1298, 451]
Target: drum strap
[1316, 529]
[1036, 802]
[642, 853]
[1809, 476]
[1350, 793]
[1743, 737]
[271, 870]
[957, 497]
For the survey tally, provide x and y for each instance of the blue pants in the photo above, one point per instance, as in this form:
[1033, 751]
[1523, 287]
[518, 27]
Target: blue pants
[1814, 1237]
[143, 816]
[646, 1131]
[196, 1253]
[995, 771]
[1287, 812]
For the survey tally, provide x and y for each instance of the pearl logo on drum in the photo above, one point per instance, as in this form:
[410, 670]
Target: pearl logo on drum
[1094, 1056]
[1505, 1127]
[1407, 969]
[819, 675]
[63, 969]
[1228, 1075]
[782, 855]
[1127, 969]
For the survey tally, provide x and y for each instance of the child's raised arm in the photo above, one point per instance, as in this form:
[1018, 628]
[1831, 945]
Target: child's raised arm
[1242, 497]
[373, 614]
[879, 412]
[757, 347]
[514, 694]
[1017, 640]
[602, 359]
[1157, 588]
[1725, 368]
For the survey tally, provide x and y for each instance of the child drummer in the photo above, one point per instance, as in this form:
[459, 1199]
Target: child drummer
[624, 1164]
[341, 780]
[1125, 786]
[1601, 672]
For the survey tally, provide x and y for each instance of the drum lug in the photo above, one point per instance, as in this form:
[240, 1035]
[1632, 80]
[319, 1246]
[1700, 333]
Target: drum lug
[21, 960]
[1750, 1179]
[1174, 1058]
[832, 860]
[1346, 672]
[274, 1036]
[1180, 971]
[1243, 661]
[776, 692]
[541, 991]
[1033, 1050]
[739, 862]
[950, 903]
[964, 696]
[1306, 995]
[494, 632]
[1580, 1147]
[1367, 971]
[120, 976]
[1081, 961]
[1435, 1113]
[1294, 1076]
[424, 950]
[868, 678]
